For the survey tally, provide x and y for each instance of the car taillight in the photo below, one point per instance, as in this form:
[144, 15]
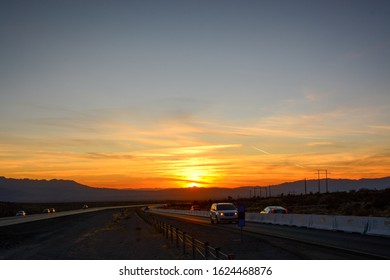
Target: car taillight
[286, 211]
[273, 211]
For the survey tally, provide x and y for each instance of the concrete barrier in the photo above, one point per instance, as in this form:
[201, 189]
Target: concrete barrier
[282, 219]
[300, 220]
[327, 222]
[378, 226]
[351, 224]
[253, 217]
[268, 218]
[363, 225]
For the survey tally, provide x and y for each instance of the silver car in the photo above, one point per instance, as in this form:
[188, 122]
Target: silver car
[220, 212]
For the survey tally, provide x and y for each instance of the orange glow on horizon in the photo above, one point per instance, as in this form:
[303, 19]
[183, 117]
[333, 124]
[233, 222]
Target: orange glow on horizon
[194, 162]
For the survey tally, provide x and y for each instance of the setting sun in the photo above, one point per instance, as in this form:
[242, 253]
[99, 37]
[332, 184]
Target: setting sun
[193, 185]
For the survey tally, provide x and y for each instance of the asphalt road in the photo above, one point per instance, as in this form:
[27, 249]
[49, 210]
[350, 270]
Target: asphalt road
[7, 221]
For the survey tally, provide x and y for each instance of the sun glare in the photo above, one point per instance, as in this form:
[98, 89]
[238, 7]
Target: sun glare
[193, 178]
[193, 185]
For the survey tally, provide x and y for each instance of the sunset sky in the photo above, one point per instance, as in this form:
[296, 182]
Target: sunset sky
[180, 93]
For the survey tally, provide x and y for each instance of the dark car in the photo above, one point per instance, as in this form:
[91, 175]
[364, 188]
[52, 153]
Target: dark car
[274, 209]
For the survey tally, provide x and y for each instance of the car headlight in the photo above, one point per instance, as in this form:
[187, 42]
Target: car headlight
[235, 213]
[221, 214]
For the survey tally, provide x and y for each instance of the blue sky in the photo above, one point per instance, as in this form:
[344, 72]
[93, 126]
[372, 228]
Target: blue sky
[131, 93]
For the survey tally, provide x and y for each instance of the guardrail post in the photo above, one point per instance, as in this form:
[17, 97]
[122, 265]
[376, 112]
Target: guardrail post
[193, 248]
[206, 250]
[217, 251]
[177, 237]
[184, 243]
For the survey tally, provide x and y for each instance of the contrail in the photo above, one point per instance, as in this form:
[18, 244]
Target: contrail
[265, 152]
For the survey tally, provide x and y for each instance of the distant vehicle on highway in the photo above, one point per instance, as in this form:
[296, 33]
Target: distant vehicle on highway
[85, 206]
[274, 209]
[21, 213]
[46, 211]
[52, 210]
[220, 212]
[195, 207]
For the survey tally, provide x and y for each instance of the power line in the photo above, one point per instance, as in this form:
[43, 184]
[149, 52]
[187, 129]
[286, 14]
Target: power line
[319, 172]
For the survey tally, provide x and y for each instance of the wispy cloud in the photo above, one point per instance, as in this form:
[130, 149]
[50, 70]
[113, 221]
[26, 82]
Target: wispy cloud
[320, 143]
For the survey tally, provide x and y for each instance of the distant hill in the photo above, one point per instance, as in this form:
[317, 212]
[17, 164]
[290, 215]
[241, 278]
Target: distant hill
[27, 190]
[334, 185]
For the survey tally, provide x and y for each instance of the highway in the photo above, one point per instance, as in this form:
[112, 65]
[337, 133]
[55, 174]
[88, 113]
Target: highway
[118, 233]
[110, 234]
[7, 221]
[304, 242]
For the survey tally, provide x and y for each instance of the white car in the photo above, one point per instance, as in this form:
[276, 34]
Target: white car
[21, 213]
[274, 209]
[220, 212]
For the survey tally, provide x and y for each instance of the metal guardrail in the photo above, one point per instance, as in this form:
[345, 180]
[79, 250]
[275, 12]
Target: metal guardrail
[188, 244]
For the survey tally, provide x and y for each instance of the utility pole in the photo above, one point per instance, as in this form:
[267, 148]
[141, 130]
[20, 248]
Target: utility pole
[319, 184]
[326, 179]
[305, 187]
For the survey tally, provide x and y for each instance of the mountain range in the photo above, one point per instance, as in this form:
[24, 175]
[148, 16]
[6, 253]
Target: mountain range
[27, 190]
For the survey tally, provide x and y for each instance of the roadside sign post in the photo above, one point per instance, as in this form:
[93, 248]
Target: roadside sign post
[241, 218]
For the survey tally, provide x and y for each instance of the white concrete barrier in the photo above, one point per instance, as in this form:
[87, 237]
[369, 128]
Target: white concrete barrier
[282, 219]
[378, 226]
[352, 224]
[300, 220]
[363, 225]
[268, 218]
[323, 222]
[253, 217]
